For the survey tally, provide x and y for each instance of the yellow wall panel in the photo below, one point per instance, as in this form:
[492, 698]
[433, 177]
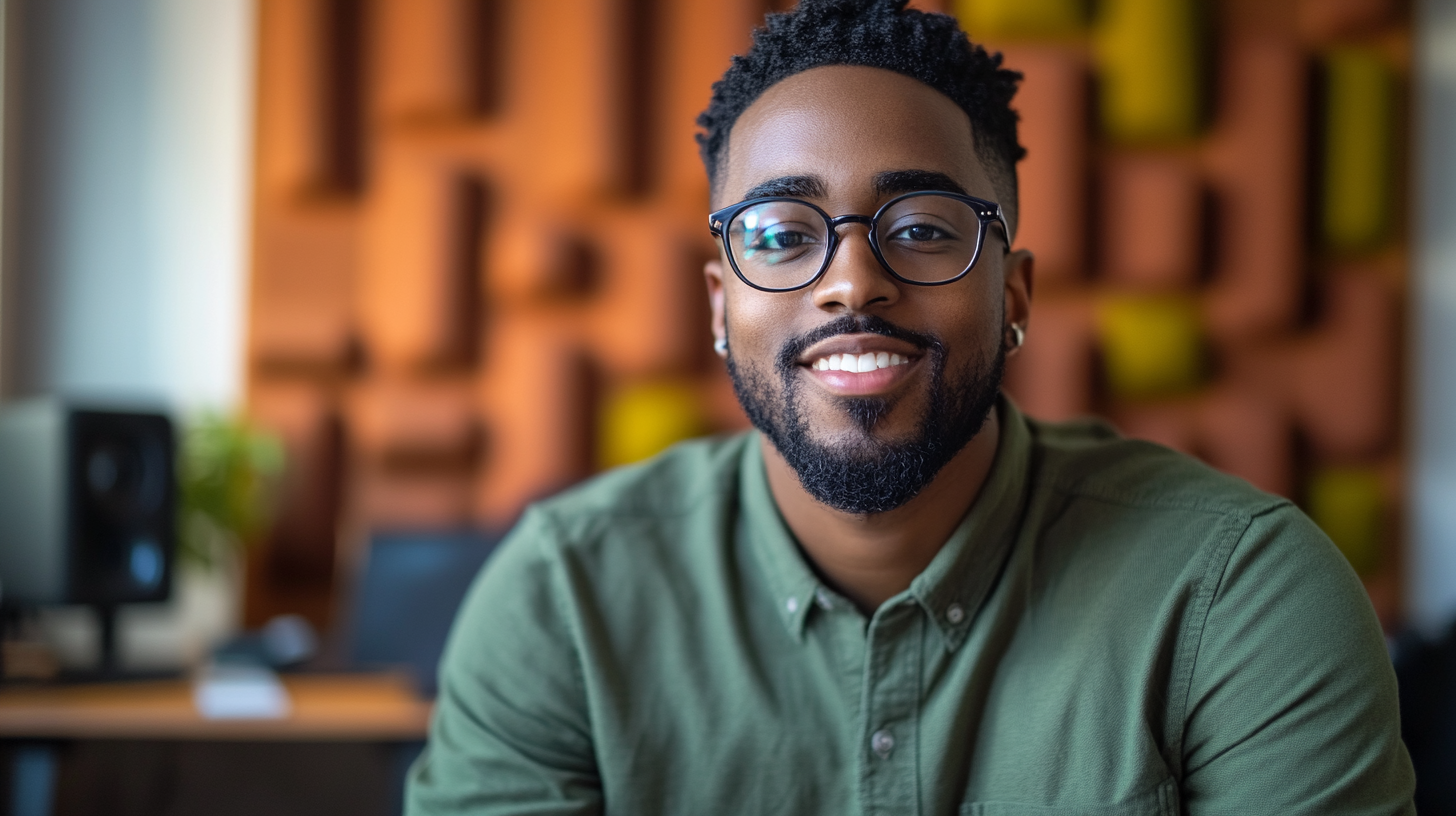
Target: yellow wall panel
[642, 420]
[1349, 505]
[1151, 345]
[1148, 54]
[1359, 113]
[997, 19]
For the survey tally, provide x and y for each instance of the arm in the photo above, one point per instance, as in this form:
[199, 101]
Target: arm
[511, 732]
[1292, 705]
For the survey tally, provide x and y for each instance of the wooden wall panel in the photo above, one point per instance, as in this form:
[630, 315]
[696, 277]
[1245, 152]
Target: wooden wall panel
[1217, 312]
[480, 232]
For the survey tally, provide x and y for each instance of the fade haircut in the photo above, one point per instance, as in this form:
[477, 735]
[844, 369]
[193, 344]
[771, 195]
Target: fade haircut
[877, 34]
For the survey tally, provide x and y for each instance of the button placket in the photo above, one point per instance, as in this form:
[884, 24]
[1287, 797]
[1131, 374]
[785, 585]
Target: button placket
[889, 760]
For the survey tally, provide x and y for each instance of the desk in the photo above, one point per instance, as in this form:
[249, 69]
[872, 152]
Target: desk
[364, 707]
[141, 747]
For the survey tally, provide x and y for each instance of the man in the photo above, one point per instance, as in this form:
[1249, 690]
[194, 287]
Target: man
[900, 595]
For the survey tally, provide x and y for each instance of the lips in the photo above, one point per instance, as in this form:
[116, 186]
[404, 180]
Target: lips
[860, 364]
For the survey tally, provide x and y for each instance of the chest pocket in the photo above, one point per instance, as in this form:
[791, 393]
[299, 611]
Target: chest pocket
[1161, 801]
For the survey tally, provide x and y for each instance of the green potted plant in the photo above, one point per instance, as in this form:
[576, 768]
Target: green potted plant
[228, 476]
[228, 472]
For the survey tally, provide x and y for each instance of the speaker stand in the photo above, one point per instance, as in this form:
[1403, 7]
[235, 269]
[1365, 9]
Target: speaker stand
[110, 664]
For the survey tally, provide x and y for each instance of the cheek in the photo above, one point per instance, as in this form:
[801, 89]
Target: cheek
[966, 315]
[758, 323]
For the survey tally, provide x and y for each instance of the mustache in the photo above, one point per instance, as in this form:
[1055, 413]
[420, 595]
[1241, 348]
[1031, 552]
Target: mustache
[794, 348]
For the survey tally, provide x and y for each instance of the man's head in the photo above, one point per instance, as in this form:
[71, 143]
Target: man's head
[848, 105]
[877, 34]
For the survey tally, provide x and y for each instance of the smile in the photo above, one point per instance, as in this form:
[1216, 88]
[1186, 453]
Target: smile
[860, 364]
[857, 363]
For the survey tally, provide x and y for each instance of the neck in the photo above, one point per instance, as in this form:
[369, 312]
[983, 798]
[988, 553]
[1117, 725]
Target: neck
[871, 558]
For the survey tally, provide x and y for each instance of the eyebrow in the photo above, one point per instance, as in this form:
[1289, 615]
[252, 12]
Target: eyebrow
[895, 182]
[794, 186]
[889, 183]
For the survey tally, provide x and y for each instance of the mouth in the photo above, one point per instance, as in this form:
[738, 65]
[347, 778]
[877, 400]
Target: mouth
[857, 365]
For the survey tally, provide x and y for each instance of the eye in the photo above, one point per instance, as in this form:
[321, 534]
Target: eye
[920, 233]
[777, 237]
[779, 243]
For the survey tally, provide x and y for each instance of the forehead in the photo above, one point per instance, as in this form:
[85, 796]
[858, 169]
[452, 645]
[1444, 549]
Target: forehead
[845, 124]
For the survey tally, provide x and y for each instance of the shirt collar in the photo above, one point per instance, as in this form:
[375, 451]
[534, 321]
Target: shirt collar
[952, 588]
[790, 579]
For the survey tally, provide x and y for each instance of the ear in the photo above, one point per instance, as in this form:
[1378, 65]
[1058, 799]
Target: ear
[1019, 266]
[713, 276]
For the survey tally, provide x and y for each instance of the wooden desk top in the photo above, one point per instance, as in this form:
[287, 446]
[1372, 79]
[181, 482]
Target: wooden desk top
[368, 707]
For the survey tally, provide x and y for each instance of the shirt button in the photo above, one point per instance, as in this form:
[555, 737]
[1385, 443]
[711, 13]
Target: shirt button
[955, 614]
[792, 605]
[883, 742]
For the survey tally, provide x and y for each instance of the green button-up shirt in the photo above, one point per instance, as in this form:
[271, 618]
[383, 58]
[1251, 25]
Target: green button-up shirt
[1113, 629]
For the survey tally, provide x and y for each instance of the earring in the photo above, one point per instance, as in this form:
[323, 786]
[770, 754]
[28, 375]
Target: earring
[720, 346]
[1018, 336]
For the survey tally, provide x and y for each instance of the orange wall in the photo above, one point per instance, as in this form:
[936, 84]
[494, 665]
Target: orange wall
[479, 225]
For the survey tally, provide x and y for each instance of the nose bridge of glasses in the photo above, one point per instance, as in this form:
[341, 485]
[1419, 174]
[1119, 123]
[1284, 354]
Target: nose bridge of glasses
[838, 221]
[844, 220]
[869, 249]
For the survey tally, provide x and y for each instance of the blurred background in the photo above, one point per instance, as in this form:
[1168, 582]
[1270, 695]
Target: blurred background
[396, 268]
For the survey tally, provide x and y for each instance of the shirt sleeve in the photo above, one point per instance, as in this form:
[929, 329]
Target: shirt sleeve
[511, 732]
[1292, 702]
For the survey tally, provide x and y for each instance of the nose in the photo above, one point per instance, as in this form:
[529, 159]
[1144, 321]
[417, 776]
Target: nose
[855, 280]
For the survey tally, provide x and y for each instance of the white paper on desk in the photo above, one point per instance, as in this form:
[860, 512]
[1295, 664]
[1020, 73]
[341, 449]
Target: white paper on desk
[239, 693]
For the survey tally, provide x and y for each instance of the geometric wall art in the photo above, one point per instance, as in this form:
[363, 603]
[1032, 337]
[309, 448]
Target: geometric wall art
[479, 229]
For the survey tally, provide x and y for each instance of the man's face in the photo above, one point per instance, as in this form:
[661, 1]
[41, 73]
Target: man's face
[849, 139]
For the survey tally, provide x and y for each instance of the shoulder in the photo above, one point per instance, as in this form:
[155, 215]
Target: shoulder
[1134, 518]
[1088, 459]
[654, 509]
[676, 482]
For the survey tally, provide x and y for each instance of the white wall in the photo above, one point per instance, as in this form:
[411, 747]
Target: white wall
[200, 159]
[128, 129]
[1432, 559]
[129, 147]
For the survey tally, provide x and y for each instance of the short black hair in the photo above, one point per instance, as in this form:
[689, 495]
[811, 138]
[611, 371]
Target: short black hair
[877, 34]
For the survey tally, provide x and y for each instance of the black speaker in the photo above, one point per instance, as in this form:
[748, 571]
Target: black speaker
[87, 505]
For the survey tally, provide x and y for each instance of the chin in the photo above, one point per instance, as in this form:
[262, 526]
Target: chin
[847, 434]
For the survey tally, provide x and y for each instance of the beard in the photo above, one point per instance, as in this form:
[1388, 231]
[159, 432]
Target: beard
[865, 474]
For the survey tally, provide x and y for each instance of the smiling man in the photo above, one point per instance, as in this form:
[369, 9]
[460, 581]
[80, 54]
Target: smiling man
[900, 595]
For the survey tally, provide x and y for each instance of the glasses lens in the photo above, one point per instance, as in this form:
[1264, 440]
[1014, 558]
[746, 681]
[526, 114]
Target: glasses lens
[929, 238]
[778, 244]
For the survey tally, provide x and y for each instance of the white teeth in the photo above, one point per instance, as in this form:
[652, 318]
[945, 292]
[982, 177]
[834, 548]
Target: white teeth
[858, 363]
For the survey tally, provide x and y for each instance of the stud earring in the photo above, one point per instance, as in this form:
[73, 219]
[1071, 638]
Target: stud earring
[1018, 336]
[720, 346]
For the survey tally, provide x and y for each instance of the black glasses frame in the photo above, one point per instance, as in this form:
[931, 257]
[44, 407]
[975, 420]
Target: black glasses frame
[989, 212]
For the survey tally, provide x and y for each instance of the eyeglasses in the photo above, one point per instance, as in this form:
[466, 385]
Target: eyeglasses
[925, 238]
